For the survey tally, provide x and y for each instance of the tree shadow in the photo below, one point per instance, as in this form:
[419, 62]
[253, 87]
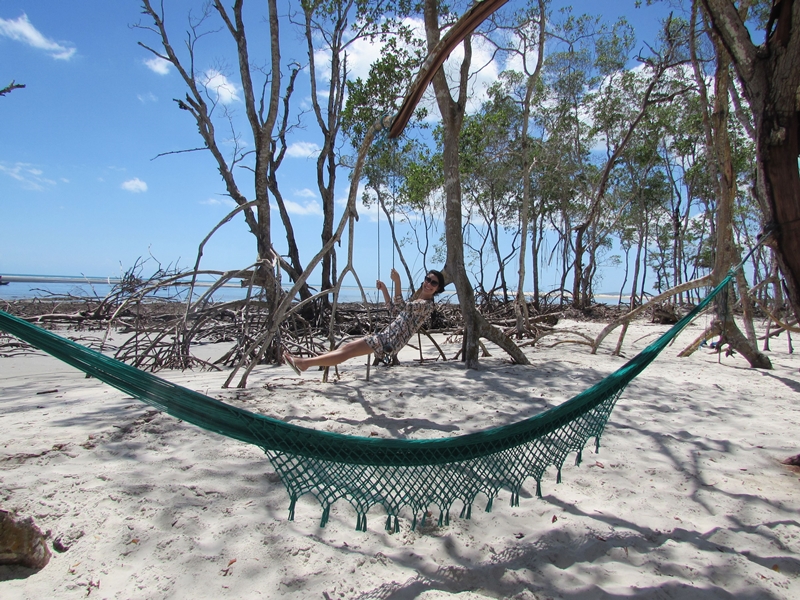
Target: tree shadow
[790, 383]
[559, 549]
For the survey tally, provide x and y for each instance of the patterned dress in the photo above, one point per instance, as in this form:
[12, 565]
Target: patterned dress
[411, 317]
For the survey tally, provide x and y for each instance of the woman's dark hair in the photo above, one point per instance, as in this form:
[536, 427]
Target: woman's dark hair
[439, 278]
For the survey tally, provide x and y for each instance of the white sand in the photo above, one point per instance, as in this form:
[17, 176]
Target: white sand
[687, 498]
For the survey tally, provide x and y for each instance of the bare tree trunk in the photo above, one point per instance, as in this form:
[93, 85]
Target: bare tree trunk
[452, 112]
[536, 241]
[196, 102]
[329, 119]
[747, 309]
[279, 147]
[726, 253]
[636, 267]
[627, 272]
[521, 304]
[770, 76]
[580, 231]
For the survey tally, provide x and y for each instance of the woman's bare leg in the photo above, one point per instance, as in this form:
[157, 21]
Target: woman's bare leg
[332, 358]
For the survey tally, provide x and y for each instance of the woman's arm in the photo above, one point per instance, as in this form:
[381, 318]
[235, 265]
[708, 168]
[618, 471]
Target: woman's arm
[398, 289]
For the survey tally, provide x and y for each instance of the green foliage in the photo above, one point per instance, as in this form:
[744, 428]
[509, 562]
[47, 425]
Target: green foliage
[383, 91]
[660, 195]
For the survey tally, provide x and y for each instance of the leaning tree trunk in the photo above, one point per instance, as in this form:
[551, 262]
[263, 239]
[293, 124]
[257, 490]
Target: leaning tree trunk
[770, 76]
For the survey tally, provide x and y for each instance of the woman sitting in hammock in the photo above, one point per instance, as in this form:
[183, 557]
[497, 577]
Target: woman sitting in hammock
[389, 341]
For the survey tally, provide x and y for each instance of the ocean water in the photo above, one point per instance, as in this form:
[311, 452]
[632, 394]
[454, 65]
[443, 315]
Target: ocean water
[25, 287]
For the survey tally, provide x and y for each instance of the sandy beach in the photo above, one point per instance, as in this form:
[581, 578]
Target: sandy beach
[687, 497]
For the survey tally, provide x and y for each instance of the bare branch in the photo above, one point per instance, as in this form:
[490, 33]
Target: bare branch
[11, 87]
[159, 155]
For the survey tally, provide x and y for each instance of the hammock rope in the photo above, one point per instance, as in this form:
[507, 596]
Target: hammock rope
[393, 473]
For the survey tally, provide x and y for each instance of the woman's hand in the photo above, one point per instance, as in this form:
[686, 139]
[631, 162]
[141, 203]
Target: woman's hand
[382, 287]
[398, 288]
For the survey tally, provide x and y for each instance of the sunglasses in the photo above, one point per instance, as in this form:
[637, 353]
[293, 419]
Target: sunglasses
[432, 281]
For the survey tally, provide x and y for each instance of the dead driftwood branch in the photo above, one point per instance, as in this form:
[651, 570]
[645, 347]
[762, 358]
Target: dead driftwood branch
[626, 318]
[587, 340]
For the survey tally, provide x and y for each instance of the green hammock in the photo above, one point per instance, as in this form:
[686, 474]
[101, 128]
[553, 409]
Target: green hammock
[366, 471]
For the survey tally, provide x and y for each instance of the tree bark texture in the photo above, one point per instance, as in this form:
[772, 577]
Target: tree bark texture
[770, 77]
[726, 252]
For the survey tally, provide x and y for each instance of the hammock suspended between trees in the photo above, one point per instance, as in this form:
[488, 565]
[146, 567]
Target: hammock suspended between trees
[368, 471]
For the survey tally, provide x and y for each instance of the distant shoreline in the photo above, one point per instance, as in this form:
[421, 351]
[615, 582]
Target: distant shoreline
[76, 279]
[101, 286]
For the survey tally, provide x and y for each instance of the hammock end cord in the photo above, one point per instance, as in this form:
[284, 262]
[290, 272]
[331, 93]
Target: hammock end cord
[383, 128]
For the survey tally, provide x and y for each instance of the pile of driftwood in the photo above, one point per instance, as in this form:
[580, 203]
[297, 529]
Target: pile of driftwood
[156, 327]
[162, 321]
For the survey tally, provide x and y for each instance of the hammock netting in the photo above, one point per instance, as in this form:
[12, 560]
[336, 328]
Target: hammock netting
[393, 473]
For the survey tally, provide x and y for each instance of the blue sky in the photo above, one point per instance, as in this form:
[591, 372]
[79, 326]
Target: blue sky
[80, 191]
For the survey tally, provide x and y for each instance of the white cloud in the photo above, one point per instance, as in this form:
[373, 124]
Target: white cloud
[134, 185]
[373, 212]
[148, 97]
[305, 193]
[361, 53]
[225, 90]
[360, 56]
[303, 150]
[305, 209]
[226, 202]
[158, 65]
[485, 67]
[29, 176]
[21, 30]
[293, 208]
